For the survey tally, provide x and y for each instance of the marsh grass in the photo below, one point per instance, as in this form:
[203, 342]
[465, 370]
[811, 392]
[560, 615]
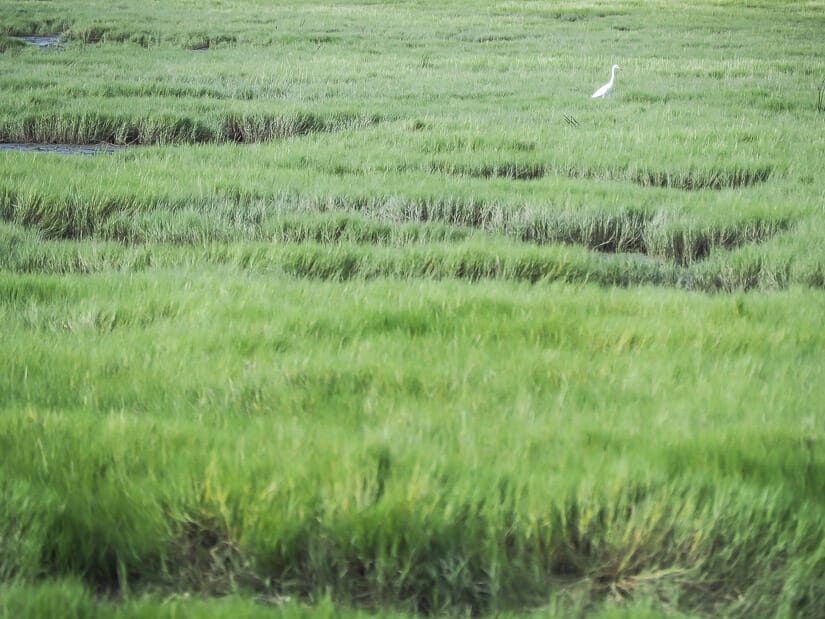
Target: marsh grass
[182, 208]
[367, 494]
[718, 178]
[93, 128]
[360, 323]
[10, 44]
[353, 243]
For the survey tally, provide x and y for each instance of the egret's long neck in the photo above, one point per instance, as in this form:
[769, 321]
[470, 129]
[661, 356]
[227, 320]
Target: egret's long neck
[612, 74]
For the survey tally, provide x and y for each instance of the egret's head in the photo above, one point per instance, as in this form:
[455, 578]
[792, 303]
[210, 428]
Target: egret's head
[615, 66]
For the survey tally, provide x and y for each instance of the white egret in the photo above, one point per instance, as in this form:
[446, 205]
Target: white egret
[605, 90]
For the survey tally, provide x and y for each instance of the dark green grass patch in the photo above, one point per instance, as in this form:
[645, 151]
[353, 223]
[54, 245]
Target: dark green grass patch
[690, 181]
[94, 128]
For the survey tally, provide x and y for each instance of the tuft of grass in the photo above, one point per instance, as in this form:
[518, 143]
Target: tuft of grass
[10, 44]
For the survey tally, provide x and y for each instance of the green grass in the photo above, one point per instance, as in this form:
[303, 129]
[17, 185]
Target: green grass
[425, 447]
[359, 323]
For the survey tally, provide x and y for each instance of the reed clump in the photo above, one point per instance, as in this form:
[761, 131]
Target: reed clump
[95, 128]
[693, 180]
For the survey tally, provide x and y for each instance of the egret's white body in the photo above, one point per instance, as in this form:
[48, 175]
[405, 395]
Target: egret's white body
[605, 90]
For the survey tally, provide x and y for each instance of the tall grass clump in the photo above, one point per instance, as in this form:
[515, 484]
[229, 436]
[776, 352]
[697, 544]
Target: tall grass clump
[730, 178]
[93, 128]
[10, 44]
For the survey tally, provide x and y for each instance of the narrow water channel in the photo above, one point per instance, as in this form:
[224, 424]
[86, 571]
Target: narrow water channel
[63, 149]
[51, 41]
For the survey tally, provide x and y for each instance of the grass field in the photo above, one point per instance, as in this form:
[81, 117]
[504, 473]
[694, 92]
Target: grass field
[376, 312]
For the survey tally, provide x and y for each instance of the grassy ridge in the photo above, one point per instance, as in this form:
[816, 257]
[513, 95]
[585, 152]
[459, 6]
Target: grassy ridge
[342, 248]
[96, 128]
[215, 195]
[81, 215]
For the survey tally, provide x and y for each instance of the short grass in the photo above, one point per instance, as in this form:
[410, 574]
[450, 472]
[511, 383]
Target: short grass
[379, 313]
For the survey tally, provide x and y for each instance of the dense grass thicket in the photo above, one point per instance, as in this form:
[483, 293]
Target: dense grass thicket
[375, 312]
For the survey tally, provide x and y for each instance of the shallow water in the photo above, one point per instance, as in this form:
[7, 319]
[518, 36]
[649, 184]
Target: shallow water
[63, 149]
[43, 42]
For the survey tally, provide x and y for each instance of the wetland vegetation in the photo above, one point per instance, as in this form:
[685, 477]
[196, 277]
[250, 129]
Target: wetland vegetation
[368, 309]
